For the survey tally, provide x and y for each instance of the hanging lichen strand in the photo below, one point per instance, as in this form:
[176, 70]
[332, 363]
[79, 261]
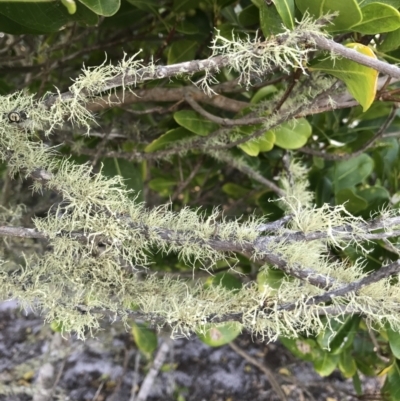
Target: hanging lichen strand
[98, 235]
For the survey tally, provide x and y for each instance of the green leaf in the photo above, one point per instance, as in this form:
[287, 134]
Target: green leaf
[352, 202]
[304, 348]
[169, 137]
[326, 364]
[272, 278]
[285, 9]
[394, 341]
[226, 280]
[230, 15]
[377, 18]
[161, 184]
[339, 335]
[187, 28]
[252, 148]
[347, 365]
[249, 16]
[182, 50]
[349, 11]
[393, 3]
[216, 335]
[262, 93]
[145, 339]
[236, 191]
[391, 386]
[348, 173]
[126, 16]
[376, 197]
[146, 5]
[14, 28]
[391, 41]
[293, 134]
[128, 170]
[267, 141]
[194, 122]
[270, 20]
[357, 384]
[184, 5]
[103, 7]
[360, 81]
[45, 17]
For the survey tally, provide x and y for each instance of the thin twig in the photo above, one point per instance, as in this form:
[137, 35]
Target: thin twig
[153, 372]
[267, 372]
[367, 145]
[226, 122]
[185, 183]
[135, 376]
[355, 286]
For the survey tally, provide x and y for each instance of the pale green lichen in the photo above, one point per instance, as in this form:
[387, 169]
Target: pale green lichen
[98, 235]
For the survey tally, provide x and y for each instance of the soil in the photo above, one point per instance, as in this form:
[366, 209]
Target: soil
[40, 365]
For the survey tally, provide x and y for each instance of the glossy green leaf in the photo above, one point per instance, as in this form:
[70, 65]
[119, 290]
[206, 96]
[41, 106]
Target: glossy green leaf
[376, 197]
[263, 93]
[304, 348]
[272, 278]
[45, 17]
[262, 144]
[267, 141]
[145, 339]
[270, 20]
[146, 5]
[360, 81]
[182, 50]
[252, 148]
[285, 9]
[394, 341]
[128, 170]
[14, 28]
[393, 3]
[357, 384]
[391, 42]
[347, 365]
[351, 172]
[194, 122]
[386, 157]
[216, 335]
[168, 138]
[102, 7]
[352, 202]
[377, 18]
[326, 364]
[226, 280]
[293, 134]
[339, 335]
[391, 386]
[349, 11]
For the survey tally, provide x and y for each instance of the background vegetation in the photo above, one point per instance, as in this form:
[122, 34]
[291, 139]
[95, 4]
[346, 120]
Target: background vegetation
[270, 128]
